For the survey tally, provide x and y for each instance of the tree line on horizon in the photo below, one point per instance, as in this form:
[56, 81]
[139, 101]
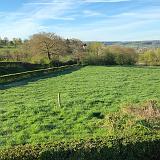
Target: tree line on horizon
[14, 42]
[49, 48]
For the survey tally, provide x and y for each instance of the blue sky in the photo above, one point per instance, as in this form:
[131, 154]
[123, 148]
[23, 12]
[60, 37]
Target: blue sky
[99, 20]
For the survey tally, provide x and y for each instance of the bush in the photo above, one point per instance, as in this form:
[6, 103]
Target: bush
[57, 63]
[123, 55]
[92, 59]
[150, 57]
[114, 55]
[112, 148]
[44, 61]
[109, 57]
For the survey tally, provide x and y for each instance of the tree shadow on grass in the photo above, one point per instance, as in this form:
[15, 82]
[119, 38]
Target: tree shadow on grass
[35, 78]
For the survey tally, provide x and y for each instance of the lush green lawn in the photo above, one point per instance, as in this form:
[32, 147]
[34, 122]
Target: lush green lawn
[29, 112]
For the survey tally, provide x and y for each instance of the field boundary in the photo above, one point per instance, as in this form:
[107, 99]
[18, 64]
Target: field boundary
[144, 148]
[18, 76]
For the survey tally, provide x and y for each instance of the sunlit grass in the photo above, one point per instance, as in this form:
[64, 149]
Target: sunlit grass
[30, 113]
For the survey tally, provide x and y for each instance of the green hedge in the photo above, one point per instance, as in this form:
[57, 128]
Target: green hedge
[92, 149]
[22, 75]
[20, 65]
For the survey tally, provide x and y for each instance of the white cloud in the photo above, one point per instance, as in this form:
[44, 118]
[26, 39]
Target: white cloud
[153, 13]
[21, 28]
[51, 10]
[111, 31]
[29, 19]
[90, 13]
[75, 19]
[132, 25]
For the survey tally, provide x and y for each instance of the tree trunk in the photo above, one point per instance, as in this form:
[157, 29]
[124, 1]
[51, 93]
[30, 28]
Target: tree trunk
[49, 56]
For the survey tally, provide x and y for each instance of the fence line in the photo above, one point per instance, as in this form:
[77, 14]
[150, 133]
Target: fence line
[21, 75]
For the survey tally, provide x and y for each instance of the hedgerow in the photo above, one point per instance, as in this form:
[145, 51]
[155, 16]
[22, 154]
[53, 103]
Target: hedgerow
[22, 75]
[111, 148]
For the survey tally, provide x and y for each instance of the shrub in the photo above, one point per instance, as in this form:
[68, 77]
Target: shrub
[108, 57]
[114, 55]
[112, 148]
[148, 110]
[146, 114]
[123, 56]
[44, 61]
[92, 59]
[150, 57]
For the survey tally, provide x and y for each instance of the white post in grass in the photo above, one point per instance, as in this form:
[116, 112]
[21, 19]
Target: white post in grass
[59, 100]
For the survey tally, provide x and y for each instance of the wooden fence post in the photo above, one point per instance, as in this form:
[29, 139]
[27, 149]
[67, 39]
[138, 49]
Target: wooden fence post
[59, 100]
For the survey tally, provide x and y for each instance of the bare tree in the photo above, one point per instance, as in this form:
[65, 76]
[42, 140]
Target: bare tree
[77, 48]
[47, 44]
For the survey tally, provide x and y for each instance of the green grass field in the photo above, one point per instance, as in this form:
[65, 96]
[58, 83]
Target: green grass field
[29, 111]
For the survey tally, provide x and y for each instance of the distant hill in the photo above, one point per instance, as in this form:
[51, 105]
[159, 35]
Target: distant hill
[136, 44]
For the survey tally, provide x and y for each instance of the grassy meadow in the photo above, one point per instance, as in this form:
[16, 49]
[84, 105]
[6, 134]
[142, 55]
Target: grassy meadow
[89, 96]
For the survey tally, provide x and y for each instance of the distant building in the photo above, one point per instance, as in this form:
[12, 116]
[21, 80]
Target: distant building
[84, 46]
